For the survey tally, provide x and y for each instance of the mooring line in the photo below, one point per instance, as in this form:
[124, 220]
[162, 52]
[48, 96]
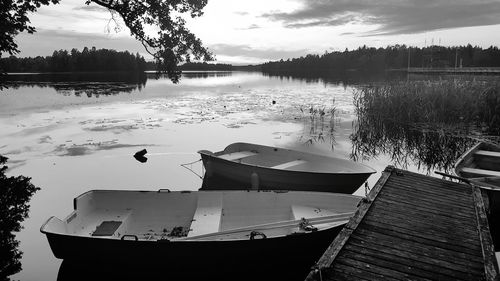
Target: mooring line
[190, 168]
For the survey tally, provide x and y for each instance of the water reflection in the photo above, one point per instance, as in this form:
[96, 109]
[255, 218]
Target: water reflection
[346, 78]
[80, 84]
[426, 148]
[96, 84]
[191, 74]
[190, 270]
[15, 194]
[205, 74]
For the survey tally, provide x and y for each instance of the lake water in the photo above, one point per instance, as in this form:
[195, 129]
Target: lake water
[74, 133]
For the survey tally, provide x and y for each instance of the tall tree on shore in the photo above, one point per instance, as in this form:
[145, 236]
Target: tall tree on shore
[15, 194]
[171, 43]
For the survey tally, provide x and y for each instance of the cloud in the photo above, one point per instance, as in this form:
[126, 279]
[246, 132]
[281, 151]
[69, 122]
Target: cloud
[241, 13]
[392, 16]
[91, 8]
[252, 26]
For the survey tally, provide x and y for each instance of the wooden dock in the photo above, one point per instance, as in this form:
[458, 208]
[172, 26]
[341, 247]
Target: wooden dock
[413, 227]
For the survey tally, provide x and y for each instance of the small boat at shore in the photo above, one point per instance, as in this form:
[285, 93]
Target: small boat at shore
[252, 166]
[224, 228]
[481, 165]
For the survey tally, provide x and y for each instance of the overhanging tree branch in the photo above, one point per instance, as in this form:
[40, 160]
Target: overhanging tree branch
[173, 42]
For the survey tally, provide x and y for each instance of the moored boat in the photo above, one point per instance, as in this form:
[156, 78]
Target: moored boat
[481, 164]
[226, 228]
[252, 166]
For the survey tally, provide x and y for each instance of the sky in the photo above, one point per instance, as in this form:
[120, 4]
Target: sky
[251, 32]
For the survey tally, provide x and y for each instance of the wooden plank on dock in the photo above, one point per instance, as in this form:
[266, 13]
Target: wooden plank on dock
[413, 227]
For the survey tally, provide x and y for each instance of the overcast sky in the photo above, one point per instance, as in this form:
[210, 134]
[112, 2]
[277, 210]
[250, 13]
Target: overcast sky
[255, 31]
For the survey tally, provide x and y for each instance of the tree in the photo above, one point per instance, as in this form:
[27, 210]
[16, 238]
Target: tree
[14, 19]
[15, 194]
[171, 45]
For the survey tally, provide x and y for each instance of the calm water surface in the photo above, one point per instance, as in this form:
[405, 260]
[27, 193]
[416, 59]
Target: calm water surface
[73, 134]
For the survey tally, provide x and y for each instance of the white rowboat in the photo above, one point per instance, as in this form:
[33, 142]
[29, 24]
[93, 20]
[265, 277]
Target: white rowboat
[174, 227]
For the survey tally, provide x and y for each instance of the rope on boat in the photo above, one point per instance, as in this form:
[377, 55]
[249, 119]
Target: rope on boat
[189, 166]
[367, 188]
[307, 226]
[254, 234]
[317, 272]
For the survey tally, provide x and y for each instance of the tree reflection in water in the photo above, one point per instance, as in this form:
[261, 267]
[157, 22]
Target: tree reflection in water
[80, 84]
[15, 194]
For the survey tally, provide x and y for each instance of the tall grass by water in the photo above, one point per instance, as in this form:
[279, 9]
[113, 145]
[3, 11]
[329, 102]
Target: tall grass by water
[442, 104]
[426, 123]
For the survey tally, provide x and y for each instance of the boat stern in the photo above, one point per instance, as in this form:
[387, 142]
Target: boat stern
[54, 229]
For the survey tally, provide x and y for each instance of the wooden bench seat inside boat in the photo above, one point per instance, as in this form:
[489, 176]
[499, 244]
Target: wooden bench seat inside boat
[208, 214]
[289, 164]
[487, 153]
[108, 223]
[237, 155]
[107, 228]
[481, 172]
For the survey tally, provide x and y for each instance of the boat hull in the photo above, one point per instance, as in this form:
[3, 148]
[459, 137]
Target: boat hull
[227, 175]
[298, 251]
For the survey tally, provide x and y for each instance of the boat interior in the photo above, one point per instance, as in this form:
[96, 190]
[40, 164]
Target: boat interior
[483, 161]
[285, 159]
[202, 215]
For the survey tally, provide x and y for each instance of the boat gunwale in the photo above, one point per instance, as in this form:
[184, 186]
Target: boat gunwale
[467, 155]
[177, 240]
[42, 228]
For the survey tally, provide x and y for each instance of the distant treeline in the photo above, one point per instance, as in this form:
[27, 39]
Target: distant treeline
[392, 57]
[206, 66]
[88, 60]
[218, 67]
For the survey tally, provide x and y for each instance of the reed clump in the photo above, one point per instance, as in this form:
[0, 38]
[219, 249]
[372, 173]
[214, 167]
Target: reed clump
[447, 102]
[320, 122]
[425, 123]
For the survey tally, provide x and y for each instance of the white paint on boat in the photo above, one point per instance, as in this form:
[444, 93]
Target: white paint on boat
[207, 218]
[487, 153]
[289, 164]
[237, 155]
[488, 173]
[154, 215]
